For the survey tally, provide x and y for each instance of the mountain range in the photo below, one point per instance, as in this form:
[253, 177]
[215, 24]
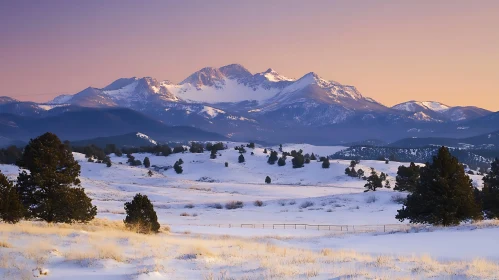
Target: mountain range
[234, 103]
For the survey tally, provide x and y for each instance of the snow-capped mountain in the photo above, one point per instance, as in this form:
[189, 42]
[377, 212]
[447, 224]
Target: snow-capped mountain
[232, 101]
[420, 106]
[436, 111]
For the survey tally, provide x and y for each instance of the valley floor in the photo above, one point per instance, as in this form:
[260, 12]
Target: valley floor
[333, 229]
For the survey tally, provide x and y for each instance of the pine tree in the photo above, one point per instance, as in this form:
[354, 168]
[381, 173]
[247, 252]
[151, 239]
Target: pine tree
[178, 167]
[265, 150]
[490, 191]
[325, 163]
[281, 161]
[273, 157]
[360, 173]
[382, 176]
[347, 171]
[213, 154]
[313, 157]
[353, 163]
[11, 208]
[180, 161]
[268, 180]
[107, 161]
[226, 164]
[373, 182]
[407, 178]
[298, 161]
[140, 215]
[444, 195]
[241, 158]
[50, 190]
[147, 162]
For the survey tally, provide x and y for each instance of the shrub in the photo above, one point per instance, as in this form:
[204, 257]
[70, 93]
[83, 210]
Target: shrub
[190, 206]
[234, 205]
[281, 161]
[241, 158]
[184, 214]
[140, 215]
[147, 162]
[306, 204]
[268, 180]
[258, 203]
[215, 205]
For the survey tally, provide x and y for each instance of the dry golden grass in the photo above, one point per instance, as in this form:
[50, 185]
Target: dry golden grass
[103, 240]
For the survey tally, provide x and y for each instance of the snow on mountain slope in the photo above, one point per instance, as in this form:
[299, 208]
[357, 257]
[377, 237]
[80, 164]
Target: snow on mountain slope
[415, 106]
[143, 136]
[224, 90]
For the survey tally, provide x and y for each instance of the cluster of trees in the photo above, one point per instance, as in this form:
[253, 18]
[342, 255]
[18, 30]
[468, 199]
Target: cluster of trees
[132, 161]
[48, 187]
[10, 155]
[441, 193]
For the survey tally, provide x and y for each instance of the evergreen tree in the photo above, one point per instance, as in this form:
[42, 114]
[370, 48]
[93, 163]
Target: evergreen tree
[178, 149]
[226, 164]
[140, 215]
[242, 150]
[11, 208]
[147, 162]
[265, 150]
[280, 148]
[178, 166]
[360, 173]
[107, 161]
[180, 161]
[268, 180]
[407, 178]
[273, 157]
[444, 195]
[281, 161]
[196, 147]
[298, 161]
[50, 190]
[347, 171]
[251, 145]
[382, 176]
[373, 182]
[307, 160]
[325, 163]
[388, 185]
[353, 172]
[353, 163]
[313, 157]
[490, 191]
[241, 158]
[213, 154]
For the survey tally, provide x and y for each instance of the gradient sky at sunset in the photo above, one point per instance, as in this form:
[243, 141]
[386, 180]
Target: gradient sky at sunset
[392, 51]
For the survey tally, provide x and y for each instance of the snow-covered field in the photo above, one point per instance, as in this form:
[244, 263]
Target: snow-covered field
[333, 229]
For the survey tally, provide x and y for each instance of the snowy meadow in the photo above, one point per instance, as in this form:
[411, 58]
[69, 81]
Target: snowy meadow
[226, 222]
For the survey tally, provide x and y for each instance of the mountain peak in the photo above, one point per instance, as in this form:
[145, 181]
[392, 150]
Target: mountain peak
[415, 106]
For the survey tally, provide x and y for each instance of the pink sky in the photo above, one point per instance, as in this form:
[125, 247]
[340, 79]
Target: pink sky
[392, 51]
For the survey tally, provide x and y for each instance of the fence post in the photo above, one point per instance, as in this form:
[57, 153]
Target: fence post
[341, 228]
[273, 226]
[347, 228]
[317, 227]
[295, 226]
[384, 228]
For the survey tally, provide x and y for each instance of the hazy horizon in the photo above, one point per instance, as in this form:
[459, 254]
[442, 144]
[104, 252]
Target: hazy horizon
[391, 51]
